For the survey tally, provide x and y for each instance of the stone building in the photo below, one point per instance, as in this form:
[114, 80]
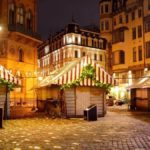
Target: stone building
[18, 42]
[71, 43]
[126, 26]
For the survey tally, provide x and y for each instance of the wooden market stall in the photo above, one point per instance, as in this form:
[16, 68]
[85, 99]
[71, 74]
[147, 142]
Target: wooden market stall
[140, 93]
[82, 83]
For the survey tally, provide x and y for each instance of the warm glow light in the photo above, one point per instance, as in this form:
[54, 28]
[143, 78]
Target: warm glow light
[145, 69]
[40, 78]
[0, 28]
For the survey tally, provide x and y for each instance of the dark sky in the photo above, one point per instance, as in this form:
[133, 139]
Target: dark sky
[55, 14]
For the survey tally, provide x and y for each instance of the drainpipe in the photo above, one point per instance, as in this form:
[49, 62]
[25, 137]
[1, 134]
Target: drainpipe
[144, 46]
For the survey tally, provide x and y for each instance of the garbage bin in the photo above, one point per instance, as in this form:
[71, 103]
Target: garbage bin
[90, 113]
[1, 117]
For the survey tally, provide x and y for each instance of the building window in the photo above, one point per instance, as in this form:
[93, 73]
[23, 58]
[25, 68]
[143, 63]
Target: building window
[148, 4]
[21, 55]
[118, 36]
[118, 57]
[102, 9]
[148, 49]
[115, 22]
[134, 54]
[147, 27]
[83, 41]
[83, 54]
[133, 33]
[29, 21]
[76, 54]
[120, 19]
[139, 13]
[11, 14]
[127, 18]
[76, 40]
[102, 26]
[122, 57]
[140, 53]
[95, 56]
[107, 25]
[101, 57]
[133, 15]
[20, 15]
[139, 31]
[106, 8]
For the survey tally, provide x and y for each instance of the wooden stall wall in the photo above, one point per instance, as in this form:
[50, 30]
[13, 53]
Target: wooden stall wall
[79, 98]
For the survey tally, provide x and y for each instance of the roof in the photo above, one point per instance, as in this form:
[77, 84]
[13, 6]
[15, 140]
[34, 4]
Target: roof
[72, 72]
[143, 82]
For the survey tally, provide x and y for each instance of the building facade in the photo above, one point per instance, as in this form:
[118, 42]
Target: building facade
[18, 42]
[126, 26]
[71, 43]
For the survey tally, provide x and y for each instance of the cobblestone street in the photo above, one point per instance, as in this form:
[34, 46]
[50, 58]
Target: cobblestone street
[116, 131]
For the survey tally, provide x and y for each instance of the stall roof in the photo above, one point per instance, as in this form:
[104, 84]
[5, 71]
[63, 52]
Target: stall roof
[72, 71]
[6, 75]
[143, 82]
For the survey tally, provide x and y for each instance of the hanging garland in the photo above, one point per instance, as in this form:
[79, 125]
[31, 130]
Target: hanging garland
[88, 72]
[10, 85]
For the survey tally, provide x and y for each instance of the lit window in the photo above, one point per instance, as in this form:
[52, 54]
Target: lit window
[20, 15]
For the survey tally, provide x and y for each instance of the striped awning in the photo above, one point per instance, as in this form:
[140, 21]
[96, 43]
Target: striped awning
[71, 74]
[6, 75]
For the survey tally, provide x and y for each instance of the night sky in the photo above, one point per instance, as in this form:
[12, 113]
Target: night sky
[53, 15]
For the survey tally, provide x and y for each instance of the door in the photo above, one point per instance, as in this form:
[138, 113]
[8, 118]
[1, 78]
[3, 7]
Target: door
[82, 99]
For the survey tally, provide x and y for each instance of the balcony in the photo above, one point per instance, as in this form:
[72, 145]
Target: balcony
[20, 28]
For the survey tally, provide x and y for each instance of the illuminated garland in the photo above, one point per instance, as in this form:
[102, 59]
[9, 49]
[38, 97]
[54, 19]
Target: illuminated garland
[88, 72]
[10, 85]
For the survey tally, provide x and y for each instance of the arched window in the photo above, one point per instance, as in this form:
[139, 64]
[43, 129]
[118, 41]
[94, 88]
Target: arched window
[11, 13]
[20, 15]
[21, 55]
[29, 20]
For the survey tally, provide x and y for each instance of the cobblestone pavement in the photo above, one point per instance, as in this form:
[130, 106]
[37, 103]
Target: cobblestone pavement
[115, 131]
